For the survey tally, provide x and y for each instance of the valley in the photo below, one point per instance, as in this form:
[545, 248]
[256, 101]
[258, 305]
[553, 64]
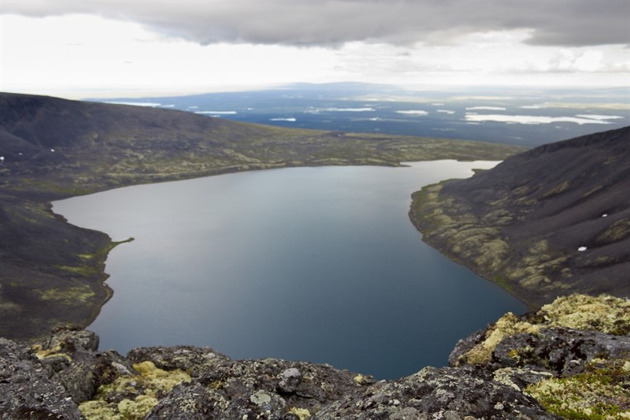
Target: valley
[52, 272]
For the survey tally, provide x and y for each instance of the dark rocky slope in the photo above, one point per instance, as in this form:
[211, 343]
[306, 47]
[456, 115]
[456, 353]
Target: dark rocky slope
[543, 223]
[51, 273]
[571, 358]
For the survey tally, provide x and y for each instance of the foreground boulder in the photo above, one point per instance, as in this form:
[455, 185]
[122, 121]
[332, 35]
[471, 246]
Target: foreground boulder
[446, 393]
[26, 392]
[572, 355]
[569, 359]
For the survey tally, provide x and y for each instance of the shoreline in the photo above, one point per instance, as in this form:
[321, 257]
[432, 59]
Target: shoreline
[101, 277]
[421, 203]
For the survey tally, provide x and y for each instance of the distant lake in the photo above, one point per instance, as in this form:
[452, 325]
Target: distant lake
[316, 264]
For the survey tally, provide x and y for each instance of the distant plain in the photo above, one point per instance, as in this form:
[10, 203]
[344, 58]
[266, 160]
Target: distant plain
[521, 116]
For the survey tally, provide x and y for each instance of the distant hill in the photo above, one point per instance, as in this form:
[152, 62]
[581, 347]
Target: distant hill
[51, 273]
[546, 222]
[96, 145]
[512, 115]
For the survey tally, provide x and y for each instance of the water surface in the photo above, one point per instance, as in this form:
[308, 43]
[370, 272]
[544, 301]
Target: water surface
[318, 264]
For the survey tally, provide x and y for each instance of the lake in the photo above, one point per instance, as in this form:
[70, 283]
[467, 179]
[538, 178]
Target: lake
[317, 264]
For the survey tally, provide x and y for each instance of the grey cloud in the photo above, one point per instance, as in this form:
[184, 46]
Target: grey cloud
[329, 23]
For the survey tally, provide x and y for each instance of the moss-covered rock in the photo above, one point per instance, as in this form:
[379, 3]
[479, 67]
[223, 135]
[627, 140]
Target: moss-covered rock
[566, 359]
[572, 355]
[599, 393]
[605, 314]
[133, 396]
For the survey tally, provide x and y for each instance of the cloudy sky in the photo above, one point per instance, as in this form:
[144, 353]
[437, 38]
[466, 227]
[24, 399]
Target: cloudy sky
[88, 48]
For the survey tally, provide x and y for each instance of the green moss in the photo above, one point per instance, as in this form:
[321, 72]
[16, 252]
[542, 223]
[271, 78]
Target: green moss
[83, 270]
[615, 232]
[598, 393]
[71, 295]
[603, 313]
[137, 394]
[557, 189]
[502, 282]
[99, 410]
[302, 413]
[138, 408]
[363, 380]
[508, 325]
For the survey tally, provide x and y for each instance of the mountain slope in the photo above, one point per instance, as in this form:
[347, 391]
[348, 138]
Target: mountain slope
[546, 222]
[51, 273]
[94, 145]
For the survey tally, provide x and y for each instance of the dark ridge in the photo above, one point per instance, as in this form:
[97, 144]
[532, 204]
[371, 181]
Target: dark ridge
[564, 211]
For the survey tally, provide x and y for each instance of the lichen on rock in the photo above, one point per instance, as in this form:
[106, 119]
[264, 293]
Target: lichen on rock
[603, 313]
[571, 355]
[601, 392]
[557, 361]
[134, 395]
[508, 325]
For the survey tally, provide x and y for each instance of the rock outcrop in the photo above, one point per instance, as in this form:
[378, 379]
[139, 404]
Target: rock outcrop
[571, 358]
[551, 221]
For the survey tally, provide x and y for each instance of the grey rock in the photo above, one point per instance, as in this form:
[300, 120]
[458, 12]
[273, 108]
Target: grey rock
[289, 380]
[110, 365]
[193, 360]
[69, 369]
[464, 345]
[259, 405]
[563, 351]
[437, 393]
[71, 360]
[70, 340]
[520, 378]
[302, 385]
[191, 402]
[26, 392]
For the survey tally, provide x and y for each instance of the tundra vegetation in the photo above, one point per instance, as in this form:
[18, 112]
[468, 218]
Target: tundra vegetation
[544, 223]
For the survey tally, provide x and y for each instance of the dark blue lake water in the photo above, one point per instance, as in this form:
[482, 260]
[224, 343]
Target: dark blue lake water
[317, 264]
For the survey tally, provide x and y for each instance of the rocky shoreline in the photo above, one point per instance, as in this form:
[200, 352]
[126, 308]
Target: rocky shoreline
[551, 221]
[569, 359]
